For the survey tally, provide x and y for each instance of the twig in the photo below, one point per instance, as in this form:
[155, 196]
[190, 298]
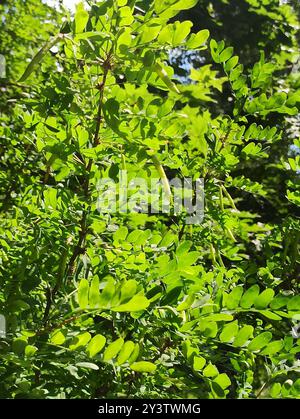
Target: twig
[78, 249]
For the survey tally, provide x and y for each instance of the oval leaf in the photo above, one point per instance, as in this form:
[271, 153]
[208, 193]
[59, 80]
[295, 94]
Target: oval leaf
[95, 345]
[143, 366]
[137, 303]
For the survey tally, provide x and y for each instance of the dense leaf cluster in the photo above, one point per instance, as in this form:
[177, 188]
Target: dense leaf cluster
[141, 304]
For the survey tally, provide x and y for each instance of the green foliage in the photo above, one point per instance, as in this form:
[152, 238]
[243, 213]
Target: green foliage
[144, 305]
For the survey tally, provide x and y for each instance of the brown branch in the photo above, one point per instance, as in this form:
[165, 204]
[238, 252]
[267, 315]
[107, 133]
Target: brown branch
[21, 85]
[83, 227]
[48, 304]
[78, 249]
[58, 325]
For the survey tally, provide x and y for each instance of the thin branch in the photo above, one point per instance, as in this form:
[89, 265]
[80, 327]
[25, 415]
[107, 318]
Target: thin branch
[78, 249]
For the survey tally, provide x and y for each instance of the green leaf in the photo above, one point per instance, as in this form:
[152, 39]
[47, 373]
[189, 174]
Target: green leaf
[137, 303]
[128, 290]
[166, 35]
[182, 29]
[135, 353]
[124, 41]
[183, 247]
[249, 296]
[113, 349]
[81, 18]
[198, 363]
[107, 293]
[223, 381]
[167, 9]
[149, 58]
[171, 296]
[252, 149]
[296, 388]
[30, 350]
[210, 371]
[270, 315]
[243, 335]
[80, 340]
[150, 32]
[198, 39]
[286, 388]
[95, 345]
[94, 293]
[57, 338]
[275, 390]
[219, 317]
[88, 365]
[229, 332]
[126, 17]
[216, 49]
[226, 54]
[216, 391]
[273, 347]
[38, 57]
[186, 303]
[231, 63]
[83, 294]
[264, 299]
[187, 259]
[234, 297]
[167, 239]
[260, 341]
[50, 197]
[165, 78]
[121, 234]
[125, 352]
[133, 236]
[143, 366]
[294, 303]
[18, 345]
[208, 328]
[94, 35]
